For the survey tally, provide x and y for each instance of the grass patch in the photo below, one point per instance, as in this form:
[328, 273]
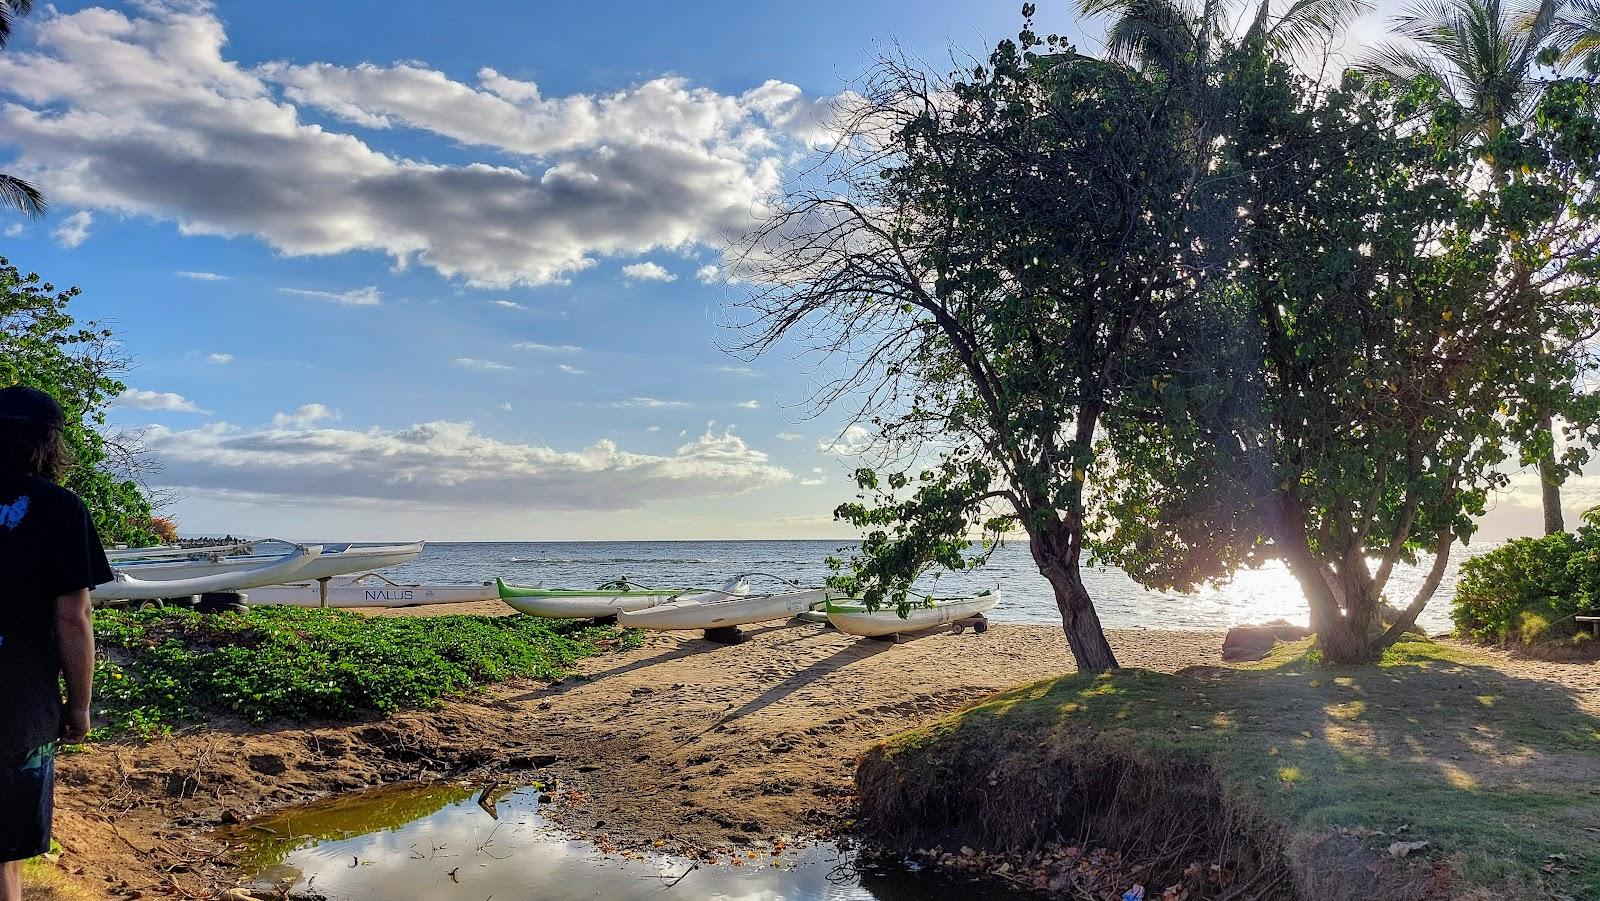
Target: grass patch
[1433, 744]
[166, 667]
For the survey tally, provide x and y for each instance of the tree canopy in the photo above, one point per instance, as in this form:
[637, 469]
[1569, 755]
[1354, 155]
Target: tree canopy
[44, 346]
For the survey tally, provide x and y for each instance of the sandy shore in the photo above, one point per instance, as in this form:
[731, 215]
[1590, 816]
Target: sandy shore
[701, 744]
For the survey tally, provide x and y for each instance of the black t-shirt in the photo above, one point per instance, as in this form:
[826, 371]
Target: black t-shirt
[48, 548]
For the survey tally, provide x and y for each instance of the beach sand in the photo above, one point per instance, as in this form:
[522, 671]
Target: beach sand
[704, 746]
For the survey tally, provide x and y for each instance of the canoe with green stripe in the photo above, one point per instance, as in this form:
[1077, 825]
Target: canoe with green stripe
[597, 603]
[851, 616]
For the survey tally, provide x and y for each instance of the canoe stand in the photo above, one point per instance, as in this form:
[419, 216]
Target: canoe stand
[977, 622]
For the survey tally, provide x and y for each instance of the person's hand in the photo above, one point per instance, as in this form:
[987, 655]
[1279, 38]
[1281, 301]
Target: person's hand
[74, 724]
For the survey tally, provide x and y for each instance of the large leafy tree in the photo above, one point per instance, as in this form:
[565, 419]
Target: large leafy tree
[1483, 56]
[43, 346]
[1344, 399]
[15, 192]
[984, 262]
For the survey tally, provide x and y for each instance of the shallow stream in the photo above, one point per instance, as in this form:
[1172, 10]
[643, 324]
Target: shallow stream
[438, 842]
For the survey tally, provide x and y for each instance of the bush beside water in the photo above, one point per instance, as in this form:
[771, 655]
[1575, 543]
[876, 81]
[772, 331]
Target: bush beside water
[1528, 591]
[161, 668]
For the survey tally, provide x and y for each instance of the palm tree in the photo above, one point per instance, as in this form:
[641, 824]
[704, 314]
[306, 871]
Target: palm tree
[1180, 39]
[1485, 56]
[14, 192]
[1576, 35]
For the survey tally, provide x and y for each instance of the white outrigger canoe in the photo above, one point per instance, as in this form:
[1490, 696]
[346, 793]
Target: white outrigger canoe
[351, 559]
[712, 612]
[852, 617]
[123, 587]
[369, 590]
[610, 599]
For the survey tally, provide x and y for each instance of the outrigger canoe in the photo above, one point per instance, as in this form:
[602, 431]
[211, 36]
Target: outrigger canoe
[370, 590]
[126, 588]
[852, 617]
[609, 599]
[703, 612]
[349, 559]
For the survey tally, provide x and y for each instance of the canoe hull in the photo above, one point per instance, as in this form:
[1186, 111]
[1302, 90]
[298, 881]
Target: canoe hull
[127, 588]
[560, 603]
[690, 613]
[332, 563]
[853, 619]
[351, 594]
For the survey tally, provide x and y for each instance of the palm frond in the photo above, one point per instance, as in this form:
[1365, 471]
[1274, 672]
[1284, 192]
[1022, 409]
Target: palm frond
[1576, 34]
[1306, 22]
[21, 195]
[10, 11]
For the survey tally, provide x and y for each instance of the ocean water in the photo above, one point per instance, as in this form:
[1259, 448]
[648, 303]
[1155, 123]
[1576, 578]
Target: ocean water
[1253, 596]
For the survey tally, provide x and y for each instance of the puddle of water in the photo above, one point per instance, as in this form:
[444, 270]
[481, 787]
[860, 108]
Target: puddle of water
[435, 841]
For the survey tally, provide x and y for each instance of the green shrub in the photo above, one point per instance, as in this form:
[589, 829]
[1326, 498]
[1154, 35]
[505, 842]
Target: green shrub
[164, 667]
[1528, 590]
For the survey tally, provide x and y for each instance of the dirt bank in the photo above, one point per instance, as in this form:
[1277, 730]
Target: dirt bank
[705, 745]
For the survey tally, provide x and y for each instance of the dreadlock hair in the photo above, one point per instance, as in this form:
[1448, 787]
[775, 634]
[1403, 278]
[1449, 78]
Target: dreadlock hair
[33, 450]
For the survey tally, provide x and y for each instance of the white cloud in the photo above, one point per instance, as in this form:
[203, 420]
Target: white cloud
[74, 229]
[490, 365]
[707, 274]
[817, 477]
[571, 370]
[369, 296]
[651, 402]
[506, 406]
[791, 436]
[813, 121]
[508, 304]
[141, 113]
[14, 230]
[306, 416]
[854, 441]
[647, 272]
[749, 405]
[653, 429]
[547, 348]
[202, 276]
[140, 399]
[219, 359]
[450, 465]
[745, 371]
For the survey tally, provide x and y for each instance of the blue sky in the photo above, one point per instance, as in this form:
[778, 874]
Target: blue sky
[396, 269]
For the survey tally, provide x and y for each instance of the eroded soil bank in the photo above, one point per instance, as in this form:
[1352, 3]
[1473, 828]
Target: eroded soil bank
[702, 745]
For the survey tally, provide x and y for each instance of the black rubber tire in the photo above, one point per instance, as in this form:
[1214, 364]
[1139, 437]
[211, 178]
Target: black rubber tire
[222, 602]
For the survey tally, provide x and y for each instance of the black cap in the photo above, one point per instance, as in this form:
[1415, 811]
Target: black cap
[20, 403]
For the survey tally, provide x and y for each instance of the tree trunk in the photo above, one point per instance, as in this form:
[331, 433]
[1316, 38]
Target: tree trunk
[1342, 638]
[1549, 483]
[1057, 556]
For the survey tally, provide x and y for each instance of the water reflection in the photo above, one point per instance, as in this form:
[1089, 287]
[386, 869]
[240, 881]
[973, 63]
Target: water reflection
[436, 841]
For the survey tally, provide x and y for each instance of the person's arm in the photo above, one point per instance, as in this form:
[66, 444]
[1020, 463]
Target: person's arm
[75, 636]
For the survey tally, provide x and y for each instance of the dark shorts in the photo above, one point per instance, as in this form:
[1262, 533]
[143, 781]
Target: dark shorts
[27, 802]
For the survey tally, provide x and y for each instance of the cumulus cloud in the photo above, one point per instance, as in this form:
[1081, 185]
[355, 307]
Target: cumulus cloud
[817, 477]
[791, 436]
[74, 229]
[450, 464]
[202, 276]
[652, 402]
[571, 370]
[141, 399]
[647, 272]
[219, 359]
[369, 296]
[489, 365]
[749, 405]
[854, 441]
[305, 417]
[707, 274]
[145, 114]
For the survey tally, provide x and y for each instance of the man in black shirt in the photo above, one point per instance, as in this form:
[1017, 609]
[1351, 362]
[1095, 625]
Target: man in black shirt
[50, 556]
